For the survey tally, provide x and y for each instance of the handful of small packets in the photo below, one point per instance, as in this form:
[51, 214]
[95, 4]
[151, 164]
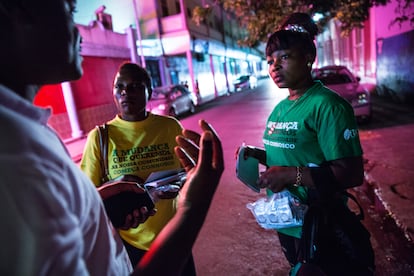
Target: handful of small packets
[280, 210]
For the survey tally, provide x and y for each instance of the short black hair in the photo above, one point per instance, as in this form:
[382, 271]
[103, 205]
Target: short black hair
[138, 73]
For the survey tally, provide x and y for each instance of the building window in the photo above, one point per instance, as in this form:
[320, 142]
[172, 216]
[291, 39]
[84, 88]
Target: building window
[164, 8]
[177, 7]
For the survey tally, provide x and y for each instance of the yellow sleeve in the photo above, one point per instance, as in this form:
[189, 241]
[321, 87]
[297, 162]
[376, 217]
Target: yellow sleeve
[91, 158]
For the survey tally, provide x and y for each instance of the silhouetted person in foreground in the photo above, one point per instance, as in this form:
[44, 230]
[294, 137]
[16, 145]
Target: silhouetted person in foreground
[54, 222]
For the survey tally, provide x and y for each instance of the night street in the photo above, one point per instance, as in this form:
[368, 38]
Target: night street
[152, 138]
[231, 242]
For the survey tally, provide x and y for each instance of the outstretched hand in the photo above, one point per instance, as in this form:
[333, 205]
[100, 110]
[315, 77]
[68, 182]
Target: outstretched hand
[202, 158]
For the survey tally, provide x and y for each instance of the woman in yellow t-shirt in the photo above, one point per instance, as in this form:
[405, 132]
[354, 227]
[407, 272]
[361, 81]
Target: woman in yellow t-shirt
[139, 143]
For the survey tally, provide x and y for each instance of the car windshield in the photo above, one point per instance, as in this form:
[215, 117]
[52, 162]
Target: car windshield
[328, 77]
[242, 78]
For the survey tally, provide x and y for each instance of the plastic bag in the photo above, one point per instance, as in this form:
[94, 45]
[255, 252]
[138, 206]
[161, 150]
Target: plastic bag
[281, 210]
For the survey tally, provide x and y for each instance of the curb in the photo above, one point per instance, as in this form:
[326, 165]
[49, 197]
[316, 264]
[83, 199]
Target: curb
[372, 190]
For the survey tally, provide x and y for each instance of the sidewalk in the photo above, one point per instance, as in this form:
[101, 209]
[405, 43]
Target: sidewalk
[389, 171]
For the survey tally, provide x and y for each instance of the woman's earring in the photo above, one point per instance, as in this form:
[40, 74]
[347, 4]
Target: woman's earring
[309, 64]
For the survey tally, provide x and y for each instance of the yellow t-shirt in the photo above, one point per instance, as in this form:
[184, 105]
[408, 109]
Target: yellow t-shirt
[137, 148]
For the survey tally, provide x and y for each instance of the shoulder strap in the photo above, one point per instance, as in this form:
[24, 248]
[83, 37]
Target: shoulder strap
[103, 145]
[360, 215]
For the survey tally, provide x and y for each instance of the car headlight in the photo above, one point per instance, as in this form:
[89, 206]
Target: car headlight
[362, 98]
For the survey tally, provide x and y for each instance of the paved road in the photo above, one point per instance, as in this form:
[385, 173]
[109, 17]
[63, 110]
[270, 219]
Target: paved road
[231, 242]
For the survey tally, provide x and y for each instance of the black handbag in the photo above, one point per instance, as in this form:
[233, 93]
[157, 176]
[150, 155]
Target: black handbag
[335, 240]
[123, 203]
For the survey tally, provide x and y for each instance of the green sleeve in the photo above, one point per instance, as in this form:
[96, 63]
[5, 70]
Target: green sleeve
[337, 131]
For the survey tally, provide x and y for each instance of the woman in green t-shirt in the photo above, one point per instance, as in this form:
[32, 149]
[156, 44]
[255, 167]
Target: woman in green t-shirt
[311, 141]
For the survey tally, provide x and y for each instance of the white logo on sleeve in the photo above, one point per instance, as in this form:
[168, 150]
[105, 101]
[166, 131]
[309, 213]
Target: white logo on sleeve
[350, 133]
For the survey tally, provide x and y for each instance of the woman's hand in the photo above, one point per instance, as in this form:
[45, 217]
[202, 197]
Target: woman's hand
[277, 178]
[129, 217]
[203, 170]
[137, 217]
[202, 157]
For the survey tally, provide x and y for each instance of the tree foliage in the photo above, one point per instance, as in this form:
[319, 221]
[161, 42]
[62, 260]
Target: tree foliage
[262, 17]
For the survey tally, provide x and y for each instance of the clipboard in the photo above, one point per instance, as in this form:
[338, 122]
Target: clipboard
[247, 170]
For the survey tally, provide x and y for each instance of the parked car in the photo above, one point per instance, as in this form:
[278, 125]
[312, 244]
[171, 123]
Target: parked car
[245, 81]
[172, 100]
[342, 81]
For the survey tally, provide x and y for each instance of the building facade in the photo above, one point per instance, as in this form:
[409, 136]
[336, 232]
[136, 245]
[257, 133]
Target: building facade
[380, 53]
[207, 58]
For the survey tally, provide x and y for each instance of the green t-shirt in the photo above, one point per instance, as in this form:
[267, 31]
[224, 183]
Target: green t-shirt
[317, 127]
